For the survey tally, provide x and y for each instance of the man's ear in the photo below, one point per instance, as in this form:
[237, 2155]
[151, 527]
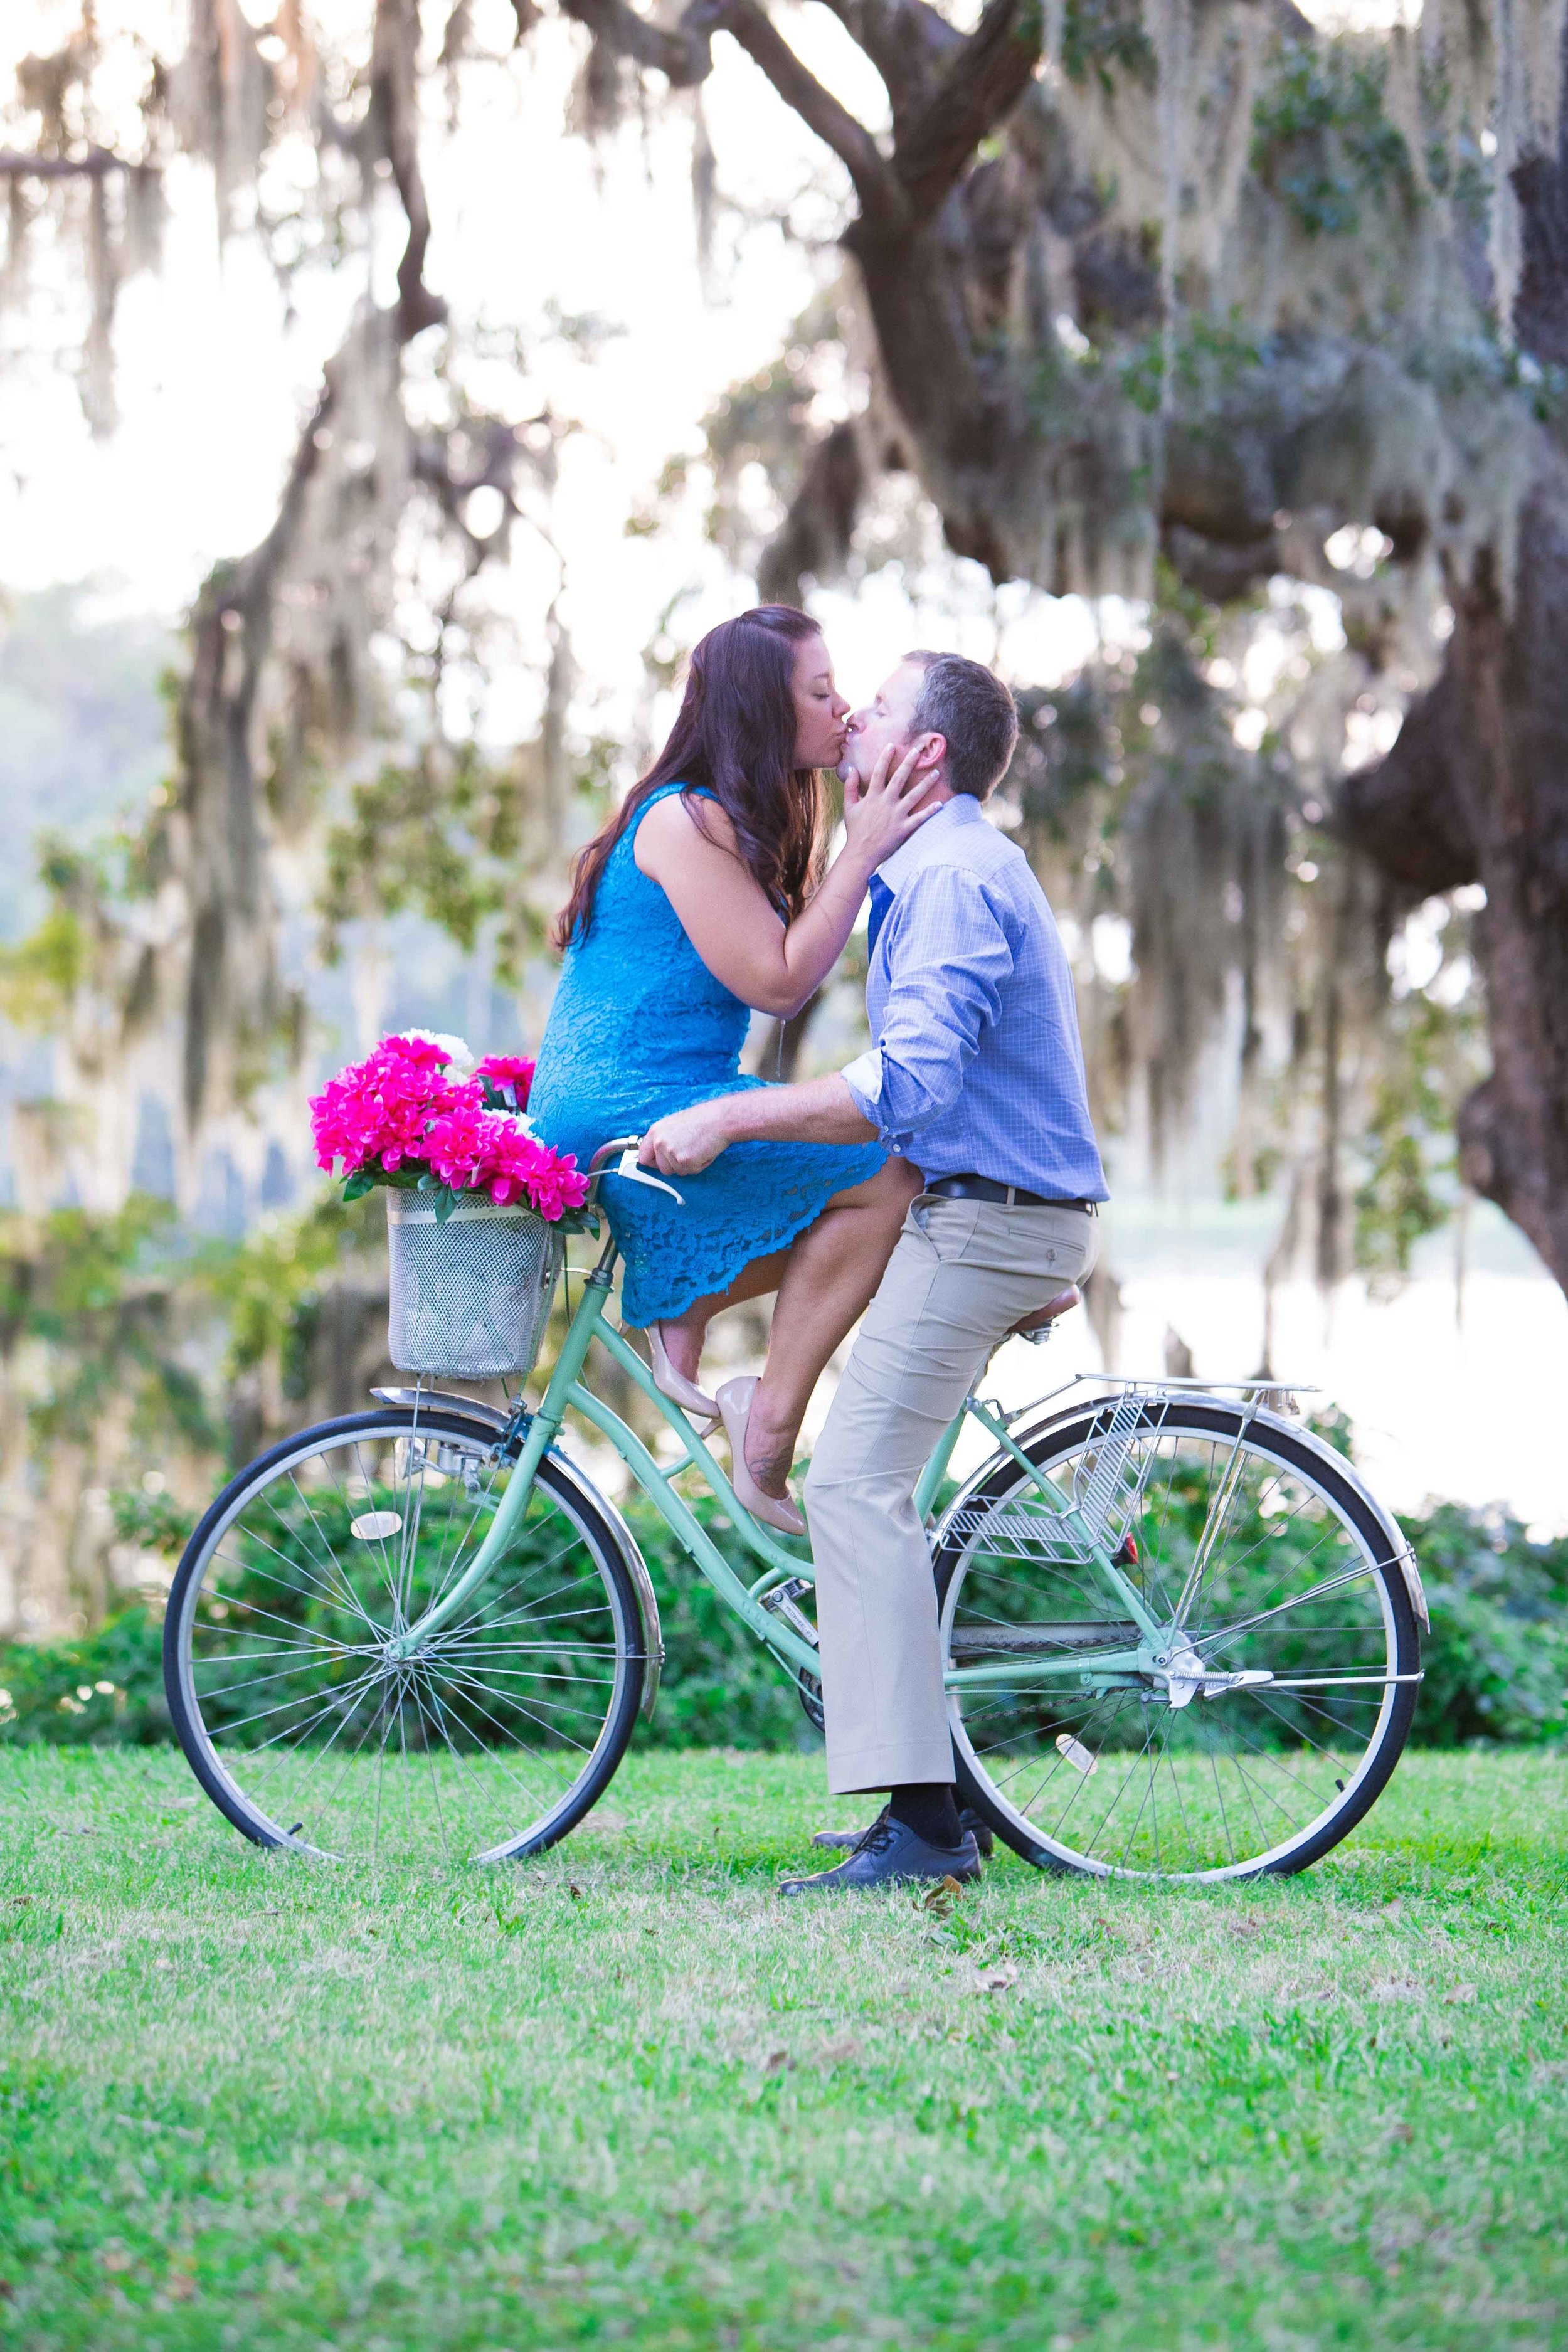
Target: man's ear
[932, 751]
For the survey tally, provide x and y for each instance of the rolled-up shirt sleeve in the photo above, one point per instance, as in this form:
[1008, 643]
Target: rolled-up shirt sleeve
[948, 955]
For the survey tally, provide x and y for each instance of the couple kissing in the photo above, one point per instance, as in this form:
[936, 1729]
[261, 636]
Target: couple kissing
[942, 1185]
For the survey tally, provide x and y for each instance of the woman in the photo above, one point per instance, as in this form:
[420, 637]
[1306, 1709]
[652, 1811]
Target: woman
[694, 905]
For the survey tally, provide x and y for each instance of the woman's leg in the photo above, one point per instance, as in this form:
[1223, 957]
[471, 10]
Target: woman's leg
[828, 1280]
[685, 1335]
[825, 1281]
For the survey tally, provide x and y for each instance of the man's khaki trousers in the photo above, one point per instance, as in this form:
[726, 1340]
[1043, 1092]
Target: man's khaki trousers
[963, 1273]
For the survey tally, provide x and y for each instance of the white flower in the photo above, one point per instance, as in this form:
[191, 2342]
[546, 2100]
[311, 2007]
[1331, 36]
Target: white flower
[457, 1053]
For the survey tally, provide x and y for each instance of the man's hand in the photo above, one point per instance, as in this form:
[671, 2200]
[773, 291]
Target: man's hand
[822, 1110]
[686, 1140]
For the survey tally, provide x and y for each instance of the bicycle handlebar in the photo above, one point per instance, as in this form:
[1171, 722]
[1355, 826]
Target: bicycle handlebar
[617, 1143]
[626, 1167]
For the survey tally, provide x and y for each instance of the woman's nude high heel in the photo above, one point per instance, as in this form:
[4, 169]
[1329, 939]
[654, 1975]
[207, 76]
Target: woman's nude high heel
[677, 1387]
[734, 1402]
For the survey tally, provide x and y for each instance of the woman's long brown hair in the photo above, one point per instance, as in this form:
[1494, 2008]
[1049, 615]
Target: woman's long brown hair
[734, 733]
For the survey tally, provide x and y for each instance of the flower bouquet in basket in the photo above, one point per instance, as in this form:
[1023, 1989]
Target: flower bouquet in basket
[475, 1202]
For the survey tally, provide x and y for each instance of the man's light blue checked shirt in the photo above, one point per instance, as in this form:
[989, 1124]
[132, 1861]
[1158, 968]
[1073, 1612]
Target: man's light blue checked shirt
[977, 1069]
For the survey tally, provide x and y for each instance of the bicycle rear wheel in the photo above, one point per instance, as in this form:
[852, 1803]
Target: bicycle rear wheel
[493, 1739]
[1274, 1577]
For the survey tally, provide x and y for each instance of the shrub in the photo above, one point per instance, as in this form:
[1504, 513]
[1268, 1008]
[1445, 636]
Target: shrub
[104, 1689]
[1497, 1657]
[718, 1687]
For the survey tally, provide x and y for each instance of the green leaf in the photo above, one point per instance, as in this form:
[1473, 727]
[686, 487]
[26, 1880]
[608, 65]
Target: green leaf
[361, 1181]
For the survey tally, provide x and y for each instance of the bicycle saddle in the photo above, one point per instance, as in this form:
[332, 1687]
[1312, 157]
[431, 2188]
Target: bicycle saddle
[1042, 1317]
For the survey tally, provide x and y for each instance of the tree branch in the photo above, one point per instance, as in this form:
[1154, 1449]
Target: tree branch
[684, 55]
[91, 166]
[393, 115]
[907, 41]
[981, 86]
[882, 199]
[1407, 813]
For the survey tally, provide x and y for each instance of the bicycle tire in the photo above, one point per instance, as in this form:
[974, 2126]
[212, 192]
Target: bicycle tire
[1281, 1460]
[308, 1595]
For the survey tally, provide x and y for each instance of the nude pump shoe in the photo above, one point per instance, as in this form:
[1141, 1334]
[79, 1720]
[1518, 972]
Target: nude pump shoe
[677, 1387]
[735, 1401]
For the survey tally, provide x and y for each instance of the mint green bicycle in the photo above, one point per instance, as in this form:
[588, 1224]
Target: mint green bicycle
[1181, 1638]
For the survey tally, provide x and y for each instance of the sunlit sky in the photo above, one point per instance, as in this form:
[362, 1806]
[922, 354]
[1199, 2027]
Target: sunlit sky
[211, 384]
[212, 380]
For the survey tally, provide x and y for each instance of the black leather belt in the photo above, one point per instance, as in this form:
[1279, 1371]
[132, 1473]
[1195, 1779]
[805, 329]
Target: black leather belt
[1011, 1196]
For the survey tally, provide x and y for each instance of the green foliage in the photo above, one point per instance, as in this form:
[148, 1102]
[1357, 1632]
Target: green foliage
[268, 1284]
[71, 1264]
[1101, 37]
[1497, 1658]
[718, 1688]
[103, 1689]
[41, 974]
[98, 1289]
[1456, 165]
[1432, 1059]
[1322, 141]
[438, 837]
[1396, 1206]
[1211, 357]
[153, 1519]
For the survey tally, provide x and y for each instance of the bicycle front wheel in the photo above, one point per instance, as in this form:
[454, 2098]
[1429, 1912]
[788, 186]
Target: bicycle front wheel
[1286, 1626]
[308, 1728]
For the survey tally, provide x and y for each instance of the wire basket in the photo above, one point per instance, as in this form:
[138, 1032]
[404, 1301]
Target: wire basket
[469, 1297]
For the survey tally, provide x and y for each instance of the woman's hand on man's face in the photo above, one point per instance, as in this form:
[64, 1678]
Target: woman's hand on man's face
[685, 1142]
[882, 810]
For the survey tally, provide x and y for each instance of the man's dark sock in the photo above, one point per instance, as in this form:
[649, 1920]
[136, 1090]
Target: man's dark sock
[929, 1808]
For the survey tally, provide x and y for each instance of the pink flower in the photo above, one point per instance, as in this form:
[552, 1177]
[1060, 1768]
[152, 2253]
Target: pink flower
[511, 1075]
[423, 1051]
[476, 1150]
[458, 1143]
[399, 1112]
[524, 1168]
[374, 1113]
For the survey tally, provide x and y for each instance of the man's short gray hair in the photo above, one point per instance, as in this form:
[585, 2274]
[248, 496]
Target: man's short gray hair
[969, 704]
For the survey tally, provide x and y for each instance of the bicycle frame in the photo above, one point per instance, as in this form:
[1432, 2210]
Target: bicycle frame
[565, 1391]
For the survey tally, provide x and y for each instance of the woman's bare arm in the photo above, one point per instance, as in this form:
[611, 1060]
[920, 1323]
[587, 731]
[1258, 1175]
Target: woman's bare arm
[727, 918]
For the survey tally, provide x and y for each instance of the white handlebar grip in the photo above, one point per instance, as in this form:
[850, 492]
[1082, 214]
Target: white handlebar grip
[626, 1166]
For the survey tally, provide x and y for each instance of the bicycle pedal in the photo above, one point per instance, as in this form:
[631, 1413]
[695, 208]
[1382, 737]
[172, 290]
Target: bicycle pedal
[780, 1600]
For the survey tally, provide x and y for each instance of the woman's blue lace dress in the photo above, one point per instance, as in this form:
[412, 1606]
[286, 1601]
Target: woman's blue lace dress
[640, 1027]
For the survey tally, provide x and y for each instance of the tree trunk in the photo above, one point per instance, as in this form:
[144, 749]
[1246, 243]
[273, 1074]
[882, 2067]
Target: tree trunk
[1476, 788]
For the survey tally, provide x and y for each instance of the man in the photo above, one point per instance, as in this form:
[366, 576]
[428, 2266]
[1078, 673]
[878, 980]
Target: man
[976, 1077]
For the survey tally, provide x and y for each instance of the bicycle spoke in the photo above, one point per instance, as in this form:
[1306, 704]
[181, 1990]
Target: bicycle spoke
[1256, 1564]
[473, 1743]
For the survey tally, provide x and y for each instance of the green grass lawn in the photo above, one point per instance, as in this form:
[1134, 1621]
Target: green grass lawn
[624, 2095]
